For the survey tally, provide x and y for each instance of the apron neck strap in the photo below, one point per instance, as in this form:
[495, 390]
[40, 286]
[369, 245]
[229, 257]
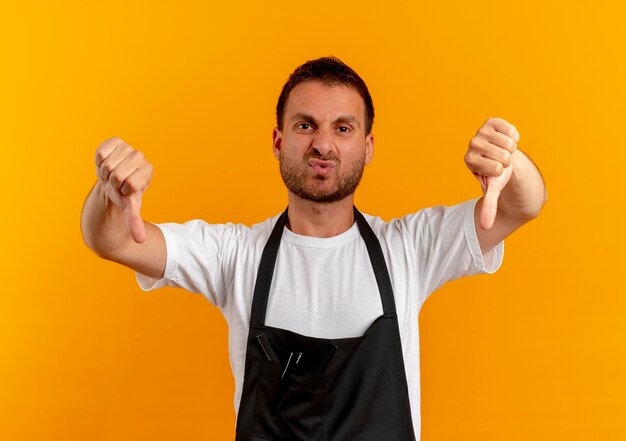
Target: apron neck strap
[377, 258]
[268, 262]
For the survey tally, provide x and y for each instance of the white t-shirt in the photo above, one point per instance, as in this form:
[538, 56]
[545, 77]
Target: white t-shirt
[325, 287]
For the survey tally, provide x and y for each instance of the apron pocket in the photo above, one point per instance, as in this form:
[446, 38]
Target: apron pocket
[292, 408]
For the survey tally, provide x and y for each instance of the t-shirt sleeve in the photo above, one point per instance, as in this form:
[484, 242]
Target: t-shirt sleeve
[198, 255]
[447, 245]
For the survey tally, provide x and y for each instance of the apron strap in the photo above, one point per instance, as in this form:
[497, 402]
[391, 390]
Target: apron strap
[266, 272]
[377, 258]
[268, 262]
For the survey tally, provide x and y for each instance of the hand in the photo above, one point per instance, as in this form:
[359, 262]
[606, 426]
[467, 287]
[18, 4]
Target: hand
[124, 174]
[490, 158]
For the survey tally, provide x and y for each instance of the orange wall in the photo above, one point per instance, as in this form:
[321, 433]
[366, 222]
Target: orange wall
[537, 351]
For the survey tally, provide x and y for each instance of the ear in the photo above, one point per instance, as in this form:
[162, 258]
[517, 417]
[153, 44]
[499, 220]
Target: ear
[277, 140]
[369, 148]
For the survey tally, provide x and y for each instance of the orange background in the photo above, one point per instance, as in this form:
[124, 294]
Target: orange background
[536, 351]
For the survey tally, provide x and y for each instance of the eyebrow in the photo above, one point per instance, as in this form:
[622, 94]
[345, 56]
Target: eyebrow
[340, 119]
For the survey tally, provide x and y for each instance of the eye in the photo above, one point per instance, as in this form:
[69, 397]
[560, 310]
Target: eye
[344, 129]
[304, 126]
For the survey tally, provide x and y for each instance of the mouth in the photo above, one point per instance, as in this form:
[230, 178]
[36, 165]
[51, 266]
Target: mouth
[320, 167]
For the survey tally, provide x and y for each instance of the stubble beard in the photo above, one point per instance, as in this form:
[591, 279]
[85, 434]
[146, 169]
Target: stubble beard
[312, 188]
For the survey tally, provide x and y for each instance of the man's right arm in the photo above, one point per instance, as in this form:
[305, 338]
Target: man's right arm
[110, 221]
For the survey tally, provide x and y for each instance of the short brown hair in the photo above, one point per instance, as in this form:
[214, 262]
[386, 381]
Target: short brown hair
[331, 71]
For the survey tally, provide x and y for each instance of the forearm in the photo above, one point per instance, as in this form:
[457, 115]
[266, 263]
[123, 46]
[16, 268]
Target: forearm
[103, 224]
[525, 194]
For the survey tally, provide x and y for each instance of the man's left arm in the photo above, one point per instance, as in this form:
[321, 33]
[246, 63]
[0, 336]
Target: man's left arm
[514, 190]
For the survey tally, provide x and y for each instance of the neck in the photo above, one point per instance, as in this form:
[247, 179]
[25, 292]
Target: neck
[315, 219]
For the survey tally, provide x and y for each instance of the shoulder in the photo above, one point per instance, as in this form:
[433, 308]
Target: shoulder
[257, 233]
[425, 218]
[198, 232]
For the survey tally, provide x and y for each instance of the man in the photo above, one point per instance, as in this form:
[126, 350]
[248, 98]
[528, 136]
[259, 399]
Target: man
[322, 302]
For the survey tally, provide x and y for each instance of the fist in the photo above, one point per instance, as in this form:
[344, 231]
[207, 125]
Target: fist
[490, 158]
[124, 175]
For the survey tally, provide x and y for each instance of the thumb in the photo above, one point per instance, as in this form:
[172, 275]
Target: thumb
[133, 218]
[490, 207]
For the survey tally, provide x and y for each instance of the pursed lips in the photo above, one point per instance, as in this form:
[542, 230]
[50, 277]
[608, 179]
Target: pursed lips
[320, 166]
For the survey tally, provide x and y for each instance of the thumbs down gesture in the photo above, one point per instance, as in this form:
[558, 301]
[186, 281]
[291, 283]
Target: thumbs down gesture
[124, 174]
[490, 158]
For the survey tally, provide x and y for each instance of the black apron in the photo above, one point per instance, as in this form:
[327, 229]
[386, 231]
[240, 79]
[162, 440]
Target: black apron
[301, 388]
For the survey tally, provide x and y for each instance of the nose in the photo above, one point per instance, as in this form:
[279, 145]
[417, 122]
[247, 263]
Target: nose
[323, 143]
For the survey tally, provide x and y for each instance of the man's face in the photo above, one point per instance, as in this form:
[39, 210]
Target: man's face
[323, 147]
